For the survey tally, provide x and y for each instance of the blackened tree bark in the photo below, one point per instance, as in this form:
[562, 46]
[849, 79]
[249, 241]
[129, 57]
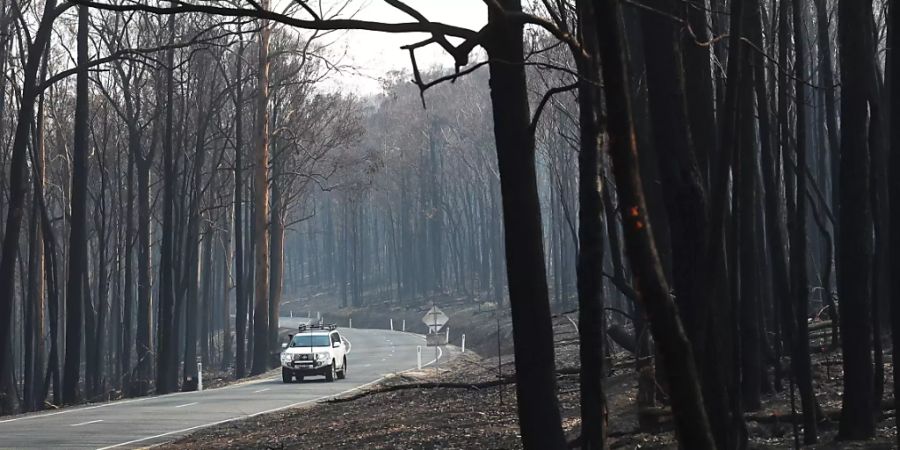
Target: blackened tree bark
[774, 191]
[699, 87]
[692, 426]
[746, 194]
[77, 271]
[893, 62]
[855, 37]
[720, 361]
[590, 238]
[800, 360]
[826, 72]
[539, 419]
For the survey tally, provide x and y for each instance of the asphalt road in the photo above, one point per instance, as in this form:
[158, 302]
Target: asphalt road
[146, 421]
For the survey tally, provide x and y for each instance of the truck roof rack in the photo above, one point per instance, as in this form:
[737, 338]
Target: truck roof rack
[316, 327]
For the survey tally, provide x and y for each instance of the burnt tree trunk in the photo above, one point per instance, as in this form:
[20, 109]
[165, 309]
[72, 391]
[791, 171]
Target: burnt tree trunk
[539, 418]
[590, 239]
[77, 271]
[692, 426]
[855, 36]
[800, 360]
[893, 62]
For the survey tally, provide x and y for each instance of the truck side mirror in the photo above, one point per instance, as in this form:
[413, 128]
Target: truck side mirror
[284, 345]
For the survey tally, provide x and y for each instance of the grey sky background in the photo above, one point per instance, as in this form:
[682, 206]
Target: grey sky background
[367, 57]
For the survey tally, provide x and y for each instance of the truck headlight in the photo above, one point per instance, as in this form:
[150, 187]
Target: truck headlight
[322, 356]
[285, 357]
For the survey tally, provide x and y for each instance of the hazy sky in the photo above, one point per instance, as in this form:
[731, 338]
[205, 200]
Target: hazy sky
[373, 54]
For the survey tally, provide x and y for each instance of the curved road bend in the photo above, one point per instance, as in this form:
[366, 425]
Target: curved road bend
[146, 421]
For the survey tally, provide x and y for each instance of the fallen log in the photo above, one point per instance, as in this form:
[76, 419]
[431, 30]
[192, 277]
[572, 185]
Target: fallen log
[424, 385]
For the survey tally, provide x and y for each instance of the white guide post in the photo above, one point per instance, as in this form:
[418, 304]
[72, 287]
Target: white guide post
[463, 343]
[392, 324]
[419, 357]
[199, 376]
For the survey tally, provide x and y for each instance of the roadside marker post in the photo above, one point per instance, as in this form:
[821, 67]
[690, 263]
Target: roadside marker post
[404, 324]
[292, 314]
[199, 376]
[448, 335]
[392, 324]
[419, 357]
[349, 322]
[463, 343]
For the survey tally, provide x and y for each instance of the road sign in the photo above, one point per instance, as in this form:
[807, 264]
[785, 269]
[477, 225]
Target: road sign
[435, 319]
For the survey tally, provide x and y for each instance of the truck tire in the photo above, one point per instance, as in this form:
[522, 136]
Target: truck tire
[286, 375]
[329, 375]
[343, 372]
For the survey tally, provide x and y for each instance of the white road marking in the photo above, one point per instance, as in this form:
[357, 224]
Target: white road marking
[440, 355]
[85, 423]
[349, 344]
[280, 408]
[187, 404]
[262, 390]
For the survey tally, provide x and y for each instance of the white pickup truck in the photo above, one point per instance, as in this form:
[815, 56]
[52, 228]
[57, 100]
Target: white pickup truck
[314, 350]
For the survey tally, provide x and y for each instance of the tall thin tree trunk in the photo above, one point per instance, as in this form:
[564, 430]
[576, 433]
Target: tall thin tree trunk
[166, 373]
[77, 271]
[855, 246]
[590, 239]
[261, 206]
[240, 323]
[801, 359]
[539, 419]
[893, 63]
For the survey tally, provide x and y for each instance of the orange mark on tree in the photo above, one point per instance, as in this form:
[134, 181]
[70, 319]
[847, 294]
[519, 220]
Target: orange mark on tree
[634, 211]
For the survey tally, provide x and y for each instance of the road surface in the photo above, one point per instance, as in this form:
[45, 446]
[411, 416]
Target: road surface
[146, 421]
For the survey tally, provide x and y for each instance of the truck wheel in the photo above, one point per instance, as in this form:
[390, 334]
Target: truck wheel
[329, 376]
[286, 375]
[343, 372]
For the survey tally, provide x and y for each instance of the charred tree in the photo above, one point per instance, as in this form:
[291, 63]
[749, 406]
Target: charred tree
[855, 246]
[692, 426]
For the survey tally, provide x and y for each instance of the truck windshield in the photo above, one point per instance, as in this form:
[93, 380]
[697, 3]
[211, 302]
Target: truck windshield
[311, 340]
